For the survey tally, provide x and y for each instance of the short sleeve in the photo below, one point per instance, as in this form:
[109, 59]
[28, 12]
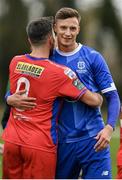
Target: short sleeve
[71, 86]
[102, 74]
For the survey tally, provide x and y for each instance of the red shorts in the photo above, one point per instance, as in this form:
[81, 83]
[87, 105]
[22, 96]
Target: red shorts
[119, 163]
[26, 163]
[119, 172]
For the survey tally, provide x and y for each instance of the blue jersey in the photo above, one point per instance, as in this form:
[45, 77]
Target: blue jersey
[77, 120]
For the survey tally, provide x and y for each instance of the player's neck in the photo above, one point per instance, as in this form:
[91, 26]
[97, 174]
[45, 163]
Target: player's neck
[40, 52]
[67, 48]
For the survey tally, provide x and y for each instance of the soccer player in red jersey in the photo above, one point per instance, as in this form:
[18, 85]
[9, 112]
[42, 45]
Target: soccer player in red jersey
[30, 135]
[119, 154]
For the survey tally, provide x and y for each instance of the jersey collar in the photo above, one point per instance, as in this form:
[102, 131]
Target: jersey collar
[35, 58]
[69, 53]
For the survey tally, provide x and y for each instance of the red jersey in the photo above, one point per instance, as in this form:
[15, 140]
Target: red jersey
[47, 82]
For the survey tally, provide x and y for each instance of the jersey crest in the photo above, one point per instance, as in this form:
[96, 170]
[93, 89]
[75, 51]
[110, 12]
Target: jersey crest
[81, 67]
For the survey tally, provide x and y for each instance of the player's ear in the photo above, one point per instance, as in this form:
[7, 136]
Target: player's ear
[29, 41]
[50, 39]
[78, 29]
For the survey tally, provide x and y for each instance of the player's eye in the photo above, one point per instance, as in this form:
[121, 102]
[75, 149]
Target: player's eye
[63, 27]
[73, 28]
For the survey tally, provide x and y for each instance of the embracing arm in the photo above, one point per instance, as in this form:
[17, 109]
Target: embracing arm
[92, 99]
[21, 102]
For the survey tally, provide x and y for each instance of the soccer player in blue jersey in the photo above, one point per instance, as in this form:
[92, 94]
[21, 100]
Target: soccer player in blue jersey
[83, 137]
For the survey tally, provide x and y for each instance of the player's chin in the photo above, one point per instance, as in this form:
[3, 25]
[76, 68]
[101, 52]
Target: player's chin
[67, 44]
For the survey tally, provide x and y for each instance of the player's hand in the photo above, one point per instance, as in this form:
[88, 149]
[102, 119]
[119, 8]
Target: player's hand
[21, 102]
[103, 138]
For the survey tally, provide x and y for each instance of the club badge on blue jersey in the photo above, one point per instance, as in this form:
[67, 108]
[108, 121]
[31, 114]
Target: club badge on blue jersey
[81, 67]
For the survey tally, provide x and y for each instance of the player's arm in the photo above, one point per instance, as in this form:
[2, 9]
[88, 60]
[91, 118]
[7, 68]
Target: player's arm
[72, 87]
[105, 83]
[104, 136]
[92, 99]
[21, 102]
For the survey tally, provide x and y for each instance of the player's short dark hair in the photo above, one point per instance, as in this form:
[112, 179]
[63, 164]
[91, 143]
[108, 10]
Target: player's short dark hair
[38, 30]
[67, 12]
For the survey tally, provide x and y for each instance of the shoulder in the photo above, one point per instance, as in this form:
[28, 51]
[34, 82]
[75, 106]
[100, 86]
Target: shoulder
[18, 57]
[55, 68]
[15, 60]
[61, 70]
[92, 54]
[90, 51]
[55, 65]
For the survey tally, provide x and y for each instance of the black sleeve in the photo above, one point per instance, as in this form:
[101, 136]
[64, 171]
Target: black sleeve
[5, 116]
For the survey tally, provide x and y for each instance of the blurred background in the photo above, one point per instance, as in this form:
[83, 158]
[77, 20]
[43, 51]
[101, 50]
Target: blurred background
[101, 28]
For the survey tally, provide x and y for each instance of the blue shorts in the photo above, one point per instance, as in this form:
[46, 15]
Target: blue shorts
[81, 156]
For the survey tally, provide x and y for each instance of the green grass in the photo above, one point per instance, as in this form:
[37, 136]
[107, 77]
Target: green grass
[0, 166]
[114, 145]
